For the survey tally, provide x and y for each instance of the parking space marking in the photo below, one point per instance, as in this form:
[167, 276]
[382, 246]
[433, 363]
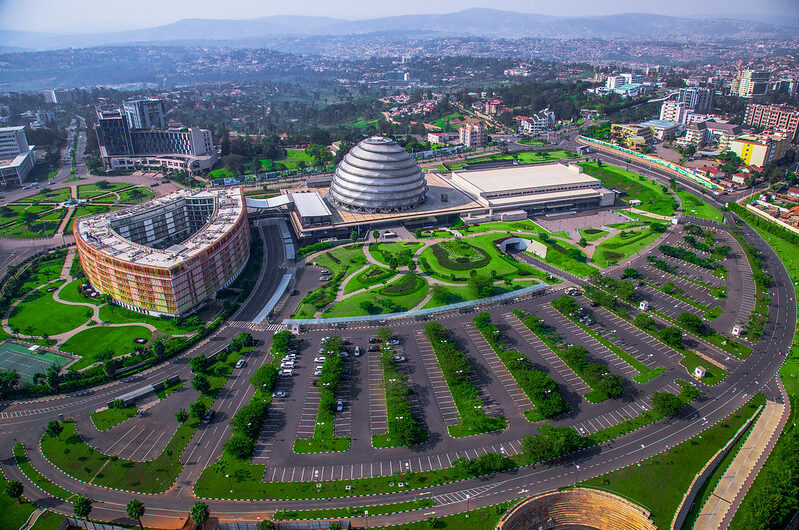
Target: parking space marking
[438, 385]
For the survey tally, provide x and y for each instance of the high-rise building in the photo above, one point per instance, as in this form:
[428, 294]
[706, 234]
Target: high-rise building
[125, 147]
[787, 85]
[59, 97]
[774, 117]
[749, 83]
[473, 135]
[698, 99]
[145, 113]
[16, 156]
[673, 111]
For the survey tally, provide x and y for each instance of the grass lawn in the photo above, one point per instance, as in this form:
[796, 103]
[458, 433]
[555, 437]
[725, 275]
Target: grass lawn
[490, 259]
[402, 294]
[70, 293]
[39, 314]
[105, 419]
[544, 155]
[562, 255]
[114, 314]
[525, 226]
[592, 234]
[129, 196]
[443, 123]
[95, 343]
[87, 191]
[41, 227]
[372, 275]
[653, 198]
[696, 207]
[341, 262]
[46, 271]
[672, 470]
[220, 173]
[622, 246]
[294, 157]
[59, 195]
[15, 513]
[401, 251]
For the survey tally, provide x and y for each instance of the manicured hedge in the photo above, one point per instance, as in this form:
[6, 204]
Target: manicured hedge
[471, 257]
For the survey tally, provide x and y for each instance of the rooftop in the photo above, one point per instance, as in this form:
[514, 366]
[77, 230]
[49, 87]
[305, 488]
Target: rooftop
[98, 233]
[660, 124]
[526, 177]
[310, 204]
[12, 129]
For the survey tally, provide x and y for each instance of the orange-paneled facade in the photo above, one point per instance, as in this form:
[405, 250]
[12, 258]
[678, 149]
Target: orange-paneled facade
[174, 290]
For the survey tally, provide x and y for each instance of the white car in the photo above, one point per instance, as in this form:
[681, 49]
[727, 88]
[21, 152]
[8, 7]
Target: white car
[318, 371]
[289, 365]
[280, 394]
[399, 358]
[339, 405]
[320, 359]
[286, 372]
[343, 354]
[357, 351]
[239, 363]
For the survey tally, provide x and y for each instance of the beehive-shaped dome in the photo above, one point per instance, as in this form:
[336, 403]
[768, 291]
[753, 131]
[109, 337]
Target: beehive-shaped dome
[378, 175]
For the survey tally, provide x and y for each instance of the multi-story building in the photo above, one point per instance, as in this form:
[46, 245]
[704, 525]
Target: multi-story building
[664, 130]
[492, 107]
[749, 83]
[632, 135]
[123, 147]
[673, 111]
[473, 135]
[145, 113]
[540, 122]
[697, 99]
[759, 150]
[59, 97]
[16, 156]
[722, 133]
[787, 85]
[774, 117]
[168, 255]
[617, 81]
[695, 134]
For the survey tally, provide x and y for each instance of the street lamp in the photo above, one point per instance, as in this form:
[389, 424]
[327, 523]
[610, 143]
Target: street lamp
[366, 514]
[467, 505]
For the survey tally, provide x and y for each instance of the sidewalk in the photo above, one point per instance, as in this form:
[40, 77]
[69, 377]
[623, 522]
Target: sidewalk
[748, 460]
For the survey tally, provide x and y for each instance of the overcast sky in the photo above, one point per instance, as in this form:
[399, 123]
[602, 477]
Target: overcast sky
[79, 16]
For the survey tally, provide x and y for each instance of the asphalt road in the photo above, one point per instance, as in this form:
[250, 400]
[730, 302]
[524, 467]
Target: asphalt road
[24, 421]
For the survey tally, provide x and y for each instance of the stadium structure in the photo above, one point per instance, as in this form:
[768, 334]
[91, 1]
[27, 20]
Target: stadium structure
[168, 255]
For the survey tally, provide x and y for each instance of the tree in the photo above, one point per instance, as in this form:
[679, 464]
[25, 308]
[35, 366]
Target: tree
[629, 272]
[53, 428]
[666, 403]
[134, 510]
[14, 489]
[198, 364]
[181, 415]
[417, 233]
[198, 409]
[200, 383]
[82, 507]
[26, 218]
[103, 184]
[551, 442]
[384, 333]
[199, 513]
[671, 336]
[691, 322]
[412, 266]
[8, 380]
[376, 234]
[353, 236]
[267, 525]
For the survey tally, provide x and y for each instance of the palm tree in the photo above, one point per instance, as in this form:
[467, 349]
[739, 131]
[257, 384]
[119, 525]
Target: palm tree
[81, 507]
[134, 510]
[199, 513]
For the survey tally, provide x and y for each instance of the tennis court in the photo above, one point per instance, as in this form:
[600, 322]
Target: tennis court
[27, 362]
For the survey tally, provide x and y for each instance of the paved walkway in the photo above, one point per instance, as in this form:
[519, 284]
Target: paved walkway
[748, 459]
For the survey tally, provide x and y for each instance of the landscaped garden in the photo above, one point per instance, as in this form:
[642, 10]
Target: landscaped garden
[623, 245]
[100, 343]
[39, 314]
[696, 207]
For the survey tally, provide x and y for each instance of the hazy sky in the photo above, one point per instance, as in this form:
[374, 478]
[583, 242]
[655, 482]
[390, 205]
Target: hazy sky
[78, 16]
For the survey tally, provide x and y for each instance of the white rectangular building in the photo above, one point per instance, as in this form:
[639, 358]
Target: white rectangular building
[16, 156]
[535, 188]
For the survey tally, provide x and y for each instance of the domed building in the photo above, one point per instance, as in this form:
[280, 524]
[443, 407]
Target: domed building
[378, 176]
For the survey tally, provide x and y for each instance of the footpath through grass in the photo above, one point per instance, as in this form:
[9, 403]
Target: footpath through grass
[673, 470]
[39, 314]
[623, 245]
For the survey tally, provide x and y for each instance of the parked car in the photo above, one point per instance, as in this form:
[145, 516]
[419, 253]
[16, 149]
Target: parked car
[374, 347]
[279, 394]
[288, 372]
[374, 340]
[287, 365]
[318, 371]
[239, 363]
[208, 417]
[324, 279]
[343, 354]
[399, 358]
[339, 405]
[320, 359]
[357, 351]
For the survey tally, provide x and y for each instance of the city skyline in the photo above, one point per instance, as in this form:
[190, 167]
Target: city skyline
[95, 16]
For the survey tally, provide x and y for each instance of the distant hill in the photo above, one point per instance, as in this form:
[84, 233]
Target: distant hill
[470, 22]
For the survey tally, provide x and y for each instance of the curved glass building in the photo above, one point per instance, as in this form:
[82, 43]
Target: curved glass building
[378, 175]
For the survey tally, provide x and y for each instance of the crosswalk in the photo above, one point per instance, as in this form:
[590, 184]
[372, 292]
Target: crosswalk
[252, 326]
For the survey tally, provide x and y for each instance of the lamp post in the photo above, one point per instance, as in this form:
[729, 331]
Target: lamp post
[467, 505]
[366, 515]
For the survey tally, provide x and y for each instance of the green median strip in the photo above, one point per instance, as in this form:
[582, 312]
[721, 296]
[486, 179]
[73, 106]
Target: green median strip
[457, 372]
[105, 419]
[37, 478]
[352, 511]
